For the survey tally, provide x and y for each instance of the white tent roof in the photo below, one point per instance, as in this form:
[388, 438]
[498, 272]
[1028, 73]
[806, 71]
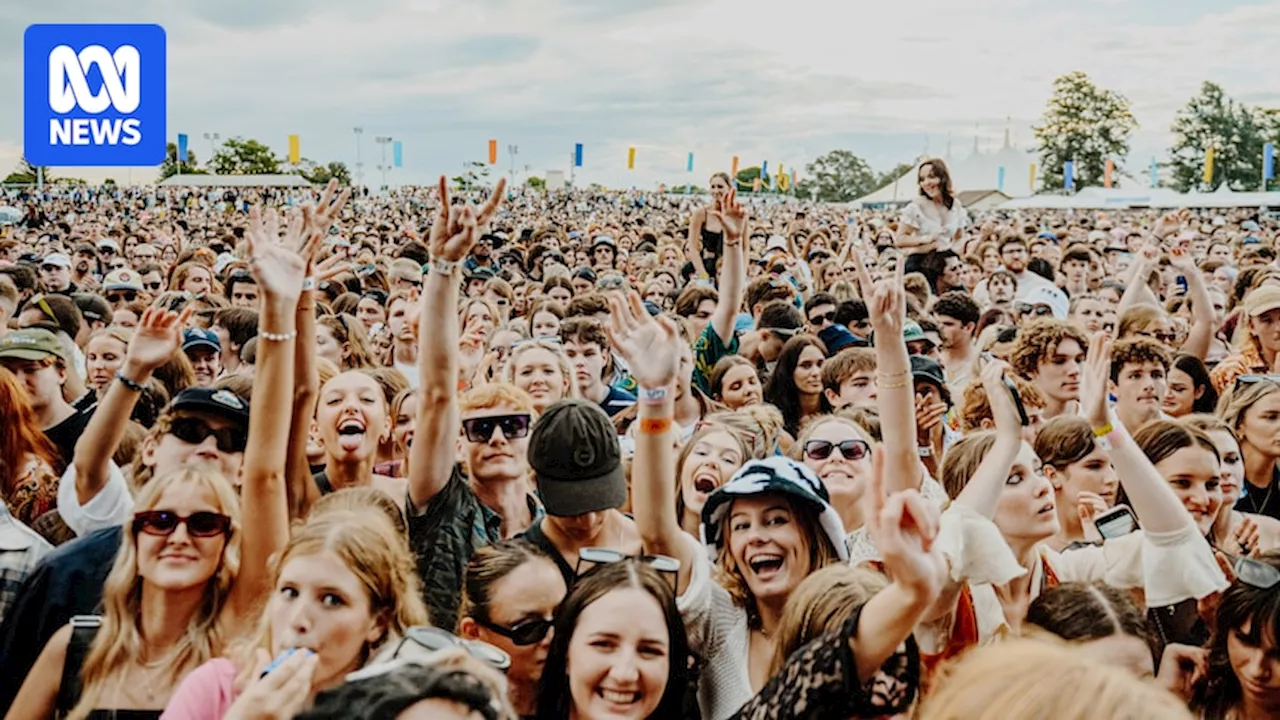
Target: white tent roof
[235, 181]
[1096, 198]
[978, 171]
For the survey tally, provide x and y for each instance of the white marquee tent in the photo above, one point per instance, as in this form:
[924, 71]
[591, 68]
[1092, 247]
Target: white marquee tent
[978, 171]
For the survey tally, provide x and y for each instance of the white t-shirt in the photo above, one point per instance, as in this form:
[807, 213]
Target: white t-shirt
[111, 507]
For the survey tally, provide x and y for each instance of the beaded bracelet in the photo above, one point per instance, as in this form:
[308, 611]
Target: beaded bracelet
[130, 384]
[277, 337]
[444, 267]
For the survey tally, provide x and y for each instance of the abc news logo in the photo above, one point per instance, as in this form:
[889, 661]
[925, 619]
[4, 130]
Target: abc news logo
[69, 89]
[94, 95]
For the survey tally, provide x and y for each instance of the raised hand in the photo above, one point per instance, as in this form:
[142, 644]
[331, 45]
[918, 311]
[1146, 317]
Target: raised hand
[1004, 409]
[1182, 261]
[1246, 535]
[1171, 223]
[157, 338]
[1093, 381]
[888, 306]
[1089, 506]
[1182, 668]
[903, 527]
[457, 227]
[650, 346]
[279, 264]
[732, 216]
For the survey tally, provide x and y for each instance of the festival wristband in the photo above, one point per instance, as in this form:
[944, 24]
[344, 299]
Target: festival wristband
[655, 426]
[652, 396]
[1104, 430]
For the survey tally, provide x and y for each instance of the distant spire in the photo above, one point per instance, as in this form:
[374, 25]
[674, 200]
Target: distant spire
[1008, 122]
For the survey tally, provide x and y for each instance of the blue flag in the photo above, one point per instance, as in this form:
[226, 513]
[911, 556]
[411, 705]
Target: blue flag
[690, 168]
[397, 154]
[1268, 161]
[1069, 174]
[764, 171]
[182, 147]
[1000, 179]
[577, 155]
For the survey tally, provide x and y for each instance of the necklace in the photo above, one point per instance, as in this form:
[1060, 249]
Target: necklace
[1266, 499]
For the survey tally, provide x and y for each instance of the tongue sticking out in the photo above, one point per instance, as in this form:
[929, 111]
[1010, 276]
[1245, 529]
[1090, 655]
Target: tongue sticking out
[349, 442]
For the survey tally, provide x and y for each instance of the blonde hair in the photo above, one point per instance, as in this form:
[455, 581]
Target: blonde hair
[562, 362]
[119, 639]
[1237, 400]
[822, 604]
[1038, 679]
[368, 544]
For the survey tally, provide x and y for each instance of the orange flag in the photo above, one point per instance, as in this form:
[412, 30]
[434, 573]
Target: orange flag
[493, 152]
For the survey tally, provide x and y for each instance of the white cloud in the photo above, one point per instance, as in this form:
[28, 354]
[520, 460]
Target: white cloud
[759, 79]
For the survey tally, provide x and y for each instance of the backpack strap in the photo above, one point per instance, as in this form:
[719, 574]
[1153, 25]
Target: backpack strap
[84, 628]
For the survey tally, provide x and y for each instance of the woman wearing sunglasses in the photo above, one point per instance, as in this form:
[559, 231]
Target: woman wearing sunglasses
[345, 587]
[510, 594]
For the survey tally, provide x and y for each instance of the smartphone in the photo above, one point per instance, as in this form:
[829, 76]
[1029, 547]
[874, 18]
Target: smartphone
[1116, 522]
[1182, 284]
[1013, 391]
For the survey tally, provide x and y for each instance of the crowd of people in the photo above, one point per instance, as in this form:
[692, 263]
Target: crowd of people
[277, 453]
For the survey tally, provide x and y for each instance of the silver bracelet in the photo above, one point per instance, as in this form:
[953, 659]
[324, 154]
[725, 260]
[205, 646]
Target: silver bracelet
[444, 267]
[277, 337]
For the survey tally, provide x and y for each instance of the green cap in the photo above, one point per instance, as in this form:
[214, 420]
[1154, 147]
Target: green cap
[31, 344]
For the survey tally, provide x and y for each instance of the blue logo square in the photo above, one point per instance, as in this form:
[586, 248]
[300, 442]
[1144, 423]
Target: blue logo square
[94, 95]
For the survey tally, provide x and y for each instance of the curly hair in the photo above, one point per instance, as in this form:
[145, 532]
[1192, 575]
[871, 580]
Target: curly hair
[1137, 351]
[1038, 340]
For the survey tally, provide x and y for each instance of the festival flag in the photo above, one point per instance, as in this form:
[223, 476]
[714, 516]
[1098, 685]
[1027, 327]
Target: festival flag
[690, 163]
[397, 154]
[295, 150]
[1000, 178]
[777, 178]
[734, 172]
[493, 152]
[1107, 172]
[1208, 166]
[1268, 161]
[784, 180]
[577, 155]
[1032, 178]
[631, 158]
[1069, 175]
[755, 185]
[764, 171]
[793, 177]
[182, 148]
[1155, 173]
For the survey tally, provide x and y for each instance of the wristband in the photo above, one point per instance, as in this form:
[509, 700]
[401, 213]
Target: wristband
[277, 337]
[652, 396]
[308, 283]
[134, 386]
[444, 267]
[1103, 430]
[655, 426]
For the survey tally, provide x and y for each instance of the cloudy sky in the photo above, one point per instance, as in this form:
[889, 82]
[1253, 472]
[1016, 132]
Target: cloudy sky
[764, 80]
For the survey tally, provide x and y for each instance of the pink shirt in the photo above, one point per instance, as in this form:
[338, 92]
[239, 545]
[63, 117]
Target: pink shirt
[206, 694]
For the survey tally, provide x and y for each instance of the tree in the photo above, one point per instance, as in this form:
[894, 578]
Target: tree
[321, 174]
[1235, 131]
[170, 166]
[536, 183]
[473, 176]
[687, 190]
[1085, 124]
[28, 174]
[747, 177]
[237, 156]
[885, 178]
[839, 176]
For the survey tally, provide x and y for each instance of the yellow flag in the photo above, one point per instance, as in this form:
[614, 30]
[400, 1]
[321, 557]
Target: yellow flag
[295, 152]
[1208, 166]
[1032, 181]
[631, 159]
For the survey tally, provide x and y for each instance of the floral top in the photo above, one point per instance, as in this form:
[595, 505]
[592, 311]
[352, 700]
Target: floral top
[913, 215]
[35, 491]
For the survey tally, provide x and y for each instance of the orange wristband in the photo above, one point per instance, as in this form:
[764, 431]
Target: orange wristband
[655, 426]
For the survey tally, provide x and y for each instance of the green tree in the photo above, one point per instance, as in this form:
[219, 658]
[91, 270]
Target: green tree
[1235, 131]
[536, 183]
[1085, 124]
[321, 174]
[687, 189]
[170, 166]
[839, 176]
[473, 176]
[27, 174]
[238, 156]
[747, 177]
[889, 176]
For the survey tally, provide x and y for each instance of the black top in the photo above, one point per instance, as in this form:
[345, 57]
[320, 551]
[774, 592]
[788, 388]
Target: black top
[65, 434]
[539, 538]
[712, 244]
[1261, 501]
[66, 582]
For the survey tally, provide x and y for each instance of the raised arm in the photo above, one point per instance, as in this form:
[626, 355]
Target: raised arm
[432, 455]
[694, 241]
[1152, 498]
[982, 492]
[895, 395]
[1200, 336]
[157, 338]
[733, 269]
[279, 265]
[1138, 289]
[652, 351]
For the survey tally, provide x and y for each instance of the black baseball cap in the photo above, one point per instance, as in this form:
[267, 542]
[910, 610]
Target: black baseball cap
[214, 401]
[926, 369]
[575, 454]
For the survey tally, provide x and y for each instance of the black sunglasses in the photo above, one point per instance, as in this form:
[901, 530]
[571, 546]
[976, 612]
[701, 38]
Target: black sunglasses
[1166, 338]
[529, 631]
[823, 319]
[126, 296]
[851, 449]
[154, 285]
[164, 523]
[480, 429]
[193, 431]
[1037, 310]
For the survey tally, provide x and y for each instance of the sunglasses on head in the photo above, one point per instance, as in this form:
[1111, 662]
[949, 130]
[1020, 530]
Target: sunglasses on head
[193, 431]
[1255, 573]
[605, 556]
[480, 430]
[125, 296]
[165, 522]
[434, 639]
[851, 449]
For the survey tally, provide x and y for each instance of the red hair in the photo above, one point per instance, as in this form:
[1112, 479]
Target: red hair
[20, 433]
